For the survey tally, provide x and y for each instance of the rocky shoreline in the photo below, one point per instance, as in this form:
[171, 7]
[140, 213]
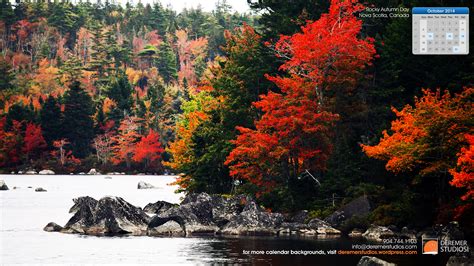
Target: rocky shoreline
[206, 214]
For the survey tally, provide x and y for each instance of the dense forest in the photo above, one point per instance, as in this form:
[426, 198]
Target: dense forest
[303, 105]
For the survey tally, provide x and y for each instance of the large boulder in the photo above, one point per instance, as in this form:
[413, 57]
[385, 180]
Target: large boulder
[373, 261]
[46, 172]
[357, 207]
[253, 221]
[158, 207]
[194, 215]
[144, 185]
[3, 185]
[170, 228]
[52, 227]
[378, 233]
[107, 216]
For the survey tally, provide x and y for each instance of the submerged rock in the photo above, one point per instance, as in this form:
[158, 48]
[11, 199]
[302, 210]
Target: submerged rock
[373, 261]
[378, 233]
[52, 227]
[3, 185]
[144, 185]
[108, 216]
[108, 177]
[46, 172]
[40, 189]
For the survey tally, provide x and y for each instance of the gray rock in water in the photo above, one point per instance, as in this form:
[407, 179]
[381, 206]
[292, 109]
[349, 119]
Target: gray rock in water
[253, 221]
[158, 207]
[144, 185]
[378, 233]
[359, 206]
[322, 227]
[46, 172]
[108, 177]
[52, 227]
[170, 228]
[40, 189]
[194, 215]
[108, 216]
[3, 185]
[355, 233]
[373, 261]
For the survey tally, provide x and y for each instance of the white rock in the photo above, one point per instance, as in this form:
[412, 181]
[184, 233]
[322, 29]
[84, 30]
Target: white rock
[93, 171]
[31, 172]
[46, 172]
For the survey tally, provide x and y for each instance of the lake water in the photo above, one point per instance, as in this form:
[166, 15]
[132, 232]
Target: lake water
[24, 213]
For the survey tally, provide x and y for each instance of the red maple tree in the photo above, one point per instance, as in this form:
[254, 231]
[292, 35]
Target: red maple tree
[148, 150]
[33, 142]
[295, 130]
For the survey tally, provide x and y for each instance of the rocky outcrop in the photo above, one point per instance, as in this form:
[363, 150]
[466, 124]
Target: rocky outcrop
[357, 207]
[3, 185]
[373, 261]
[46, 172]
[107, 216]
[52, 227]
[40, 189]
[377, 233]
[253, 221]
[144, 185]
[158, 207]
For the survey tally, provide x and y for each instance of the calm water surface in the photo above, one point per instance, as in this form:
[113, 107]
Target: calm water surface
[24, 213]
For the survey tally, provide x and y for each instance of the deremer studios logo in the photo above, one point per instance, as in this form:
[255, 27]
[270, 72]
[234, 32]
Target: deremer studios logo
[432, 246]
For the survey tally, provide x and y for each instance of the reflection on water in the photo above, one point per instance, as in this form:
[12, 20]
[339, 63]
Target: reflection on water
[23, 214]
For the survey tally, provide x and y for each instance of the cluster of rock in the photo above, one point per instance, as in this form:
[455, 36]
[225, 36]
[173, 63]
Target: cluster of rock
[197, 214]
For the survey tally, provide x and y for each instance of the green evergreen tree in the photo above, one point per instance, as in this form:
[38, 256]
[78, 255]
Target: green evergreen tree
[78, 126]
[166, 62]
[51, 120]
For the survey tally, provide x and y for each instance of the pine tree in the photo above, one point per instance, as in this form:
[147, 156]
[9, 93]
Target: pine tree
[166, 62]
[78, 126]
[51, 120]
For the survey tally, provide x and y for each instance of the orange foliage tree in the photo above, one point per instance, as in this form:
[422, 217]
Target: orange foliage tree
[125, 141]
[463, 174]
[148, 149]
[294, 132]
